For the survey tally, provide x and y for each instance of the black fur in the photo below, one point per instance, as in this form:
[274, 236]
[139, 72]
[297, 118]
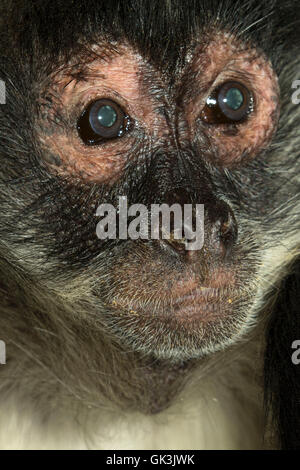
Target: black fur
[282, 377]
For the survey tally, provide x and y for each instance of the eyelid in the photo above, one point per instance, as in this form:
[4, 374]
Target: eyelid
[233, 76]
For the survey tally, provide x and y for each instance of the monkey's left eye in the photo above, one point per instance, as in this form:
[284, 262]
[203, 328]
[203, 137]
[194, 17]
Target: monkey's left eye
[230, 103]
[101, 120]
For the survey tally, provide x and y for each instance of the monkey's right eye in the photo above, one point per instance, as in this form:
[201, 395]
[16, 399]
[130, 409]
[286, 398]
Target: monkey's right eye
[230, 103]
[102, 120]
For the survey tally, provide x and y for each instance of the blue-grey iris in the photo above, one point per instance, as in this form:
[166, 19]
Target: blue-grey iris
[234, 101]
[102, 119]
[234, 98]
[107, 116]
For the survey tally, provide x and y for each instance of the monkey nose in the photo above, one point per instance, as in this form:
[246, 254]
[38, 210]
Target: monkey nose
[220, 235]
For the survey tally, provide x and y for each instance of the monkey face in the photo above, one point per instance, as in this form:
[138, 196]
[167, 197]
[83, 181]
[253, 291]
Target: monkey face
[188, 123]
[166, 142]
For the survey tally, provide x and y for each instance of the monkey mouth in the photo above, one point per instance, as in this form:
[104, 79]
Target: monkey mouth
[204, 304]
[178, 314]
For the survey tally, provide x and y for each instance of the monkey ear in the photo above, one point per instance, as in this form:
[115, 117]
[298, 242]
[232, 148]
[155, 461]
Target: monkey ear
[282, 374]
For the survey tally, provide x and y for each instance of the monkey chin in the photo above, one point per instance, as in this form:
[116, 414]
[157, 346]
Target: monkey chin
[185, 327]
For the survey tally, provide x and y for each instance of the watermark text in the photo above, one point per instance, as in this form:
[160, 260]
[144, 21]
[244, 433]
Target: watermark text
[2, 353]
[2, 92]
[175, 222]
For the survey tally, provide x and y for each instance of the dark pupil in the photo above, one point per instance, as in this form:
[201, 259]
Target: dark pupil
[107, 116]
[234, 98]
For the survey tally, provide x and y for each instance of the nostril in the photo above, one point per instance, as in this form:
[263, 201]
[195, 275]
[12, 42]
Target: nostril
[227, 230]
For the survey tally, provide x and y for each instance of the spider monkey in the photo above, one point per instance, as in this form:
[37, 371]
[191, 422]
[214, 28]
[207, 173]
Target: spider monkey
[137, 344]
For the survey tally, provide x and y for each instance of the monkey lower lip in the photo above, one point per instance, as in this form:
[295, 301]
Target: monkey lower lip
[201, 303]
[204, 294]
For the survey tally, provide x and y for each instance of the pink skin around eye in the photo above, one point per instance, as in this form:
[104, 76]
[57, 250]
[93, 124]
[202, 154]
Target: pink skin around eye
[119, 80]
[219, 62]
[122, 79]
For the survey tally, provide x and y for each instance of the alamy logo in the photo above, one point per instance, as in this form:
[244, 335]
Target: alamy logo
[2, 353]
[2, 92]
[296, 94]
[296, 354]
[161, 222]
